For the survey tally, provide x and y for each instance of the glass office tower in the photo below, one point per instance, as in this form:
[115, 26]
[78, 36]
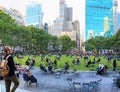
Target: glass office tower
[34, 14]
[118, 20]
[98, 18]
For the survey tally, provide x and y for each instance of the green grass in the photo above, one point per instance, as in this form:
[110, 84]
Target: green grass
[61, 62]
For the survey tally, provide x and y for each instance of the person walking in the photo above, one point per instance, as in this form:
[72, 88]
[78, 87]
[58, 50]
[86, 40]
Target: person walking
[11, 77]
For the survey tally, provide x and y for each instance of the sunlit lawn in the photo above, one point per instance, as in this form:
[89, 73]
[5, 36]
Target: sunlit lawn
[61, 62]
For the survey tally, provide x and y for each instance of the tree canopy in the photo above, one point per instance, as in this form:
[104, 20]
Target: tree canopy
[30, 38]
[100, 42]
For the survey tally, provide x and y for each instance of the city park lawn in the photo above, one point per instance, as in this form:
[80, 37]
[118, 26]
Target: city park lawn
[61, 62]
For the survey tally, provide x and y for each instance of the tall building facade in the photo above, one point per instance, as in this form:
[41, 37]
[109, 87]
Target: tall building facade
[98, 18]
[34, 14]
[63, 24]
[15, 14]
[65, 13]
[118, 20]
[76, 26]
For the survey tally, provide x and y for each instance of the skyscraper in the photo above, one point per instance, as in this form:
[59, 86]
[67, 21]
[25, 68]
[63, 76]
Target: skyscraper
[15, 14]
[65, 13]
[98, 18]
[63, 24]
[118, 20]
[34, 14]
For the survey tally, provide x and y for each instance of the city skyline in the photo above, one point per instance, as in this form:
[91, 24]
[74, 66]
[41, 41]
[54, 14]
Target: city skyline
[50, 8]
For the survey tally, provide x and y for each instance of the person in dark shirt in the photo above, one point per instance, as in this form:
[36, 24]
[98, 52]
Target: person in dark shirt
[114, 65]
[29, 77]
[66, 67]
[88, 63]
[55, 62]
[11, 75]
[43, 68]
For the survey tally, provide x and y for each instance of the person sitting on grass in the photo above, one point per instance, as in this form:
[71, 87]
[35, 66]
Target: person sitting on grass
[88, 63]
[50, 68]
[66, 67]
[27, 63]
[78, 61]
[100, 69]
[43, 68]
[33, 61]
[55, 63]
[74, 61]
[98, 60]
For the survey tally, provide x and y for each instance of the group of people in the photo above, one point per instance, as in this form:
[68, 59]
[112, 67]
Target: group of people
[101, 69]
[92, 62]
[28, 76]
[52, 65]
[76, 61]
[30, 62]
[14, 71]
[49, 68]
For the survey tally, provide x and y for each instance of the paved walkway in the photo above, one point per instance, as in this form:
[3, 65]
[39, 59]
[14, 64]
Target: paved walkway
[2, 89]
[58, 83]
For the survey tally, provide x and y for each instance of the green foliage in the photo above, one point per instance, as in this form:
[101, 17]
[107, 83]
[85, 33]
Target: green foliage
[30, 38]
[67, 43]
[100, 42]
[7, 26]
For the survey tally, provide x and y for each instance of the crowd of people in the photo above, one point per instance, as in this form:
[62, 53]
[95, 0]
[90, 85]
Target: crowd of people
[101, 69]
[49, 67]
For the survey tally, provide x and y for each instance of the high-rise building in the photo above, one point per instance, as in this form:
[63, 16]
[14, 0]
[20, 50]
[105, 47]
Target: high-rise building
[62, 9]
[76, 26]
[98, 18]
[118, 20]
[34, 14]
[65, 13]
[15, 14]
[63, 24]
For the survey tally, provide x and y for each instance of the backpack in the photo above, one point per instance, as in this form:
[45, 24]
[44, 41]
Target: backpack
[4, 69]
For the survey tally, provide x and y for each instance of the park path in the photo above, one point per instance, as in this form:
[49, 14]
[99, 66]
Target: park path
[53, 83]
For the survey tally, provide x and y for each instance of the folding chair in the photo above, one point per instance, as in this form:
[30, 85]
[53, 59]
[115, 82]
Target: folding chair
[114, 86]
[93, 86]
[85, 87]
[76, 86]
[98, 83]
[71, 83]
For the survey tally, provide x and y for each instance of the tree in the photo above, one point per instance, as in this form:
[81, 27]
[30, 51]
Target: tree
[67, 43]
[53, 43]
[116, 39]
[7, 25]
